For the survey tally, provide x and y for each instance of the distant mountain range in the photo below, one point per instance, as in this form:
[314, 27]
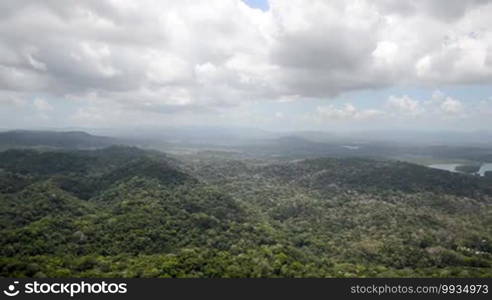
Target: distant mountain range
[262, 144]
[54, 139]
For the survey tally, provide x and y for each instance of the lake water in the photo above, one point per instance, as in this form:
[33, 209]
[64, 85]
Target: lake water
[452, 167]
[445, 167]
[351, 147]
[485, 167]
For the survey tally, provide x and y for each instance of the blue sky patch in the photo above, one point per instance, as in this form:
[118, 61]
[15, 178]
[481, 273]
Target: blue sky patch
[260, 4]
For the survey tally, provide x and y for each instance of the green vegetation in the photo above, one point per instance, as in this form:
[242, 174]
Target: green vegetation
[468, 169]
[125, 212]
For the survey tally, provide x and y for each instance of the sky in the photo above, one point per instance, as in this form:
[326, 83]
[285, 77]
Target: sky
[270, 64]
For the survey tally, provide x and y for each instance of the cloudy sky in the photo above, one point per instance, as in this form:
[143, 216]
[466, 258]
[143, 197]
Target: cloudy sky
[276, 64]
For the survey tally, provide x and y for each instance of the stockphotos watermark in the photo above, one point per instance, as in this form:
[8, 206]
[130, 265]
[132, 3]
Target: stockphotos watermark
[70, 288]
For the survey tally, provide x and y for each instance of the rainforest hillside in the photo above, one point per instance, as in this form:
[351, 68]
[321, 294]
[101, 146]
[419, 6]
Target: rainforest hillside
[126, 212]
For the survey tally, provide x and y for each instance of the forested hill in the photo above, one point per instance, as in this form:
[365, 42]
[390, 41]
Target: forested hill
[87, 172]
[377, 175]
[53, 139]
[126, 212]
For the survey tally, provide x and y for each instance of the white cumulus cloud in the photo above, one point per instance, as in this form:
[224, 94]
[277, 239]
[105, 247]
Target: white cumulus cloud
[205, 57]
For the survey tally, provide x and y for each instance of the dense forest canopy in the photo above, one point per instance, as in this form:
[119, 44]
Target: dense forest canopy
[125, 212]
